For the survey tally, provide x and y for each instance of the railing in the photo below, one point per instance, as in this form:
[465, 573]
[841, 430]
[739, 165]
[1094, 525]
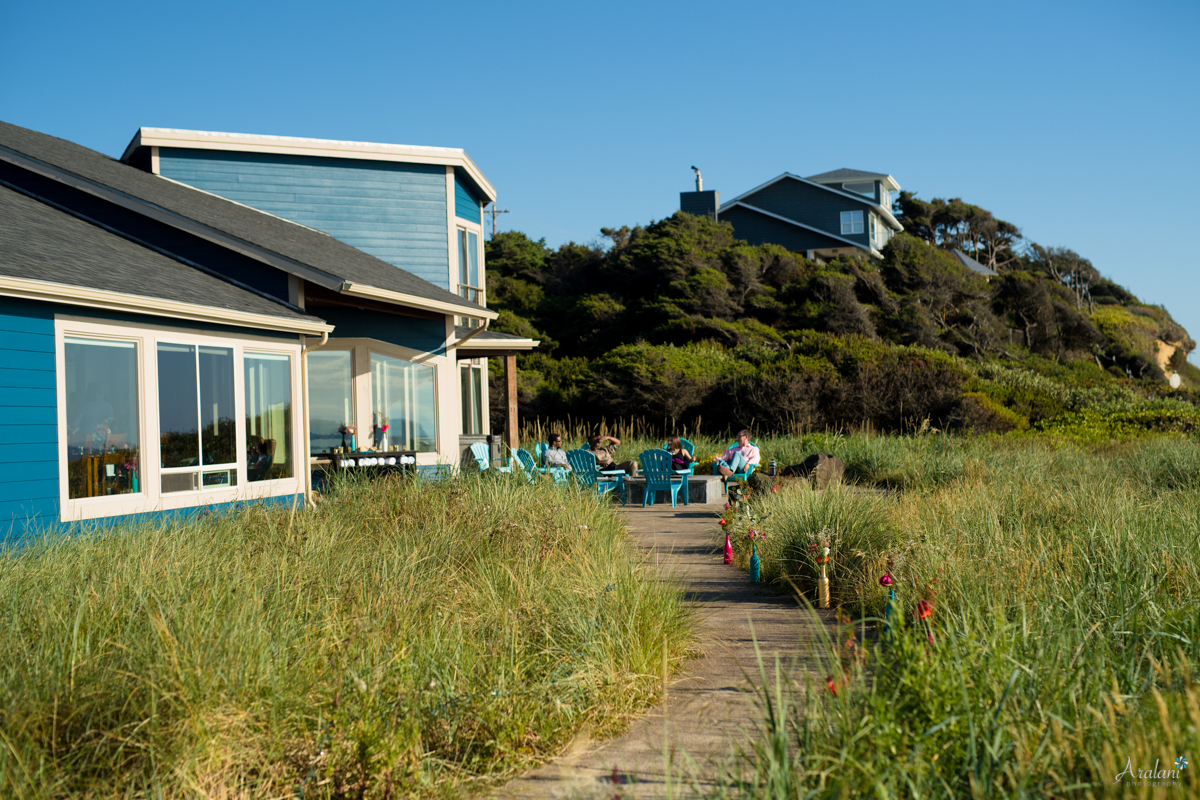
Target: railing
[472, 294]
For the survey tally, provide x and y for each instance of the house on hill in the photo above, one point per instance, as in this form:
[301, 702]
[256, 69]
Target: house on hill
[167, 348]
[838, 213]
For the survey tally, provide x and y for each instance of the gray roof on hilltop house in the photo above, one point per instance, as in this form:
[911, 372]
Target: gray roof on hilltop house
[846, 175]
[39, 242]
[972, 264]
[307, 247]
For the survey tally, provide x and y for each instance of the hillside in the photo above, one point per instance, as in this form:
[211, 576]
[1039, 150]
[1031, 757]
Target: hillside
[680, 322]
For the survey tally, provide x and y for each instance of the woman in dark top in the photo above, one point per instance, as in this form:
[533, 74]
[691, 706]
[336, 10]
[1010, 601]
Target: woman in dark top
[680, 457]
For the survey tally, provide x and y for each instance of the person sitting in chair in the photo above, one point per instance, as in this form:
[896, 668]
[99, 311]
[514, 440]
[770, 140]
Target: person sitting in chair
[604, 459]
[738, 457]
[680, 457]
[554, 455]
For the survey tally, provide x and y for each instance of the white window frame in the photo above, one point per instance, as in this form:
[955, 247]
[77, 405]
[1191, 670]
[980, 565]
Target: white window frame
[480, 293]
[150, 498]
[360, 360]
[852, 222]
[470, 364]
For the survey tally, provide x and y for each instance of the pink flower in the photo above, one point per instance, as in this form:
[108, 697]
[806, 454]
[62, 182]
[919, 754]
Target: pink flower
[886, 580]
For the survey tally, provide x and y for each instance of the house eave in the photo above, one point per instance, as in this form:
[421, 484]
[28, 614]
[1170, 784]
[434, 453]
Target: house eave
[298, 146]
[399, 298]
[887, 215]
[845, 242]
[48, 292]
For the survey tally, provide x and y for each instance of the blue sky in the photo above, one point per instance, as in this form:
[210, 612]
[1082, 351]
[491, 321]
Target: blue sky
[1077, 122]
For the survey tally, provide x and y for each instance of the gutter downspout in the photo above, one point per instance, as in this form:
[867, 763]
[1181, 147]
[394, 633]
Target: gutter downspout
[308, 501]
[472, 334]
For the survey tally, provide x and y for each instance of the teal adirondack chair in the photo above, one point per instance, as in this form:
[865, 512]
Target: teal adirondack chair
[691, 449]
[481, 454]
[558, 473]
[586, 472]
[744, 474]
[525, 464]
[656, 466]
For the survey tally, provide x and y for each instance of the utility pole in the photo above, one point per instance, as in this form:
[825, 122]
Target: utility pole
[494, 212]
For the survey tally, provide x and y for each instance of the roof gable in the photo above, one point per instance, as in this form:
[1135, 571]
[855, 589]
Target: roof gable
[862, 200]
[286, 245]
[47, 250]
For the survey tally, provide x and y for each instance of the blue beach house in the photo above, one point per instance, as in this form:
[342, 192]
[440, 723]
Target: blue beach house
[165, 346]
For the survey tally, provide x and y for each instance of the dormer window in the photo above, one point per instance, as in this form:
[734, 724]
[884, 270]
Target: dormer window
[860, 188]
[852, 222]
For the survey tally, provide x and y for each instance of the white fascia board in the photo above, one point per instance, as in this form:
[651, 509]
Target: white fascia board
[858, 198]
[499, 344]
[412, 301]
[48, 292]
[299, 146]
[766, 213]
[887, 180]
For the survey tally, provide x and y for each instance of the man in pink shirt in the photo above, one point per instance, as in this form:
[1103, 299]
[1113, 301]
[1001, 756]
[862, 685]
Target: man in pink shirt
[737, 457]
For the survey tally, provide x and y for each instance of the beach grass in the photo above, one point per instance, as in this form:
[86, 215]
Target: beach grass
[1062, 641]
[402, 639]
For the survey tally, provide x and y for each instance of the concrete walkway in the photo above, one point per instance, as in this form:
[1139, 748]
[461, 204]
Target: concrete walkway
[710, 708]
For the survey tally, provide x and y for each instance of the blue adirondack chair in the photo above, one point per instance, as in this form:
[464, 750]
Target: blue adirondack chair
[481, 454]
[656, 466]
[586, 472]
[525, 464]
[558, 473]
[744, 474]
[691, 449]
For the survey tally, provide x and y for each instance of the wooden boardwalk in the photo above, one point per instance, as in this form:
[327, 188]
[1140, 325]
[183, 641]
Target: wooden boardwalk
[710, 709]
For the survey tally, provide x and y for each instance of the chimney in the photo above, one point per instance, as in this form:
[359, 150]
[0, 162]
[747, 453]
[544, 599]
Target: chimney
[700, 202]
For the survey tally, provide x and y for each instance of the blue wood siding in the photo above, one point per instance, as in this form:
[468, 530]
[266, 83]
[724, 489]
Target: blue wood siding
[395, 212]
[758, 228]
[427, 335]
[466, 204]
[814, 206]
[28, 407]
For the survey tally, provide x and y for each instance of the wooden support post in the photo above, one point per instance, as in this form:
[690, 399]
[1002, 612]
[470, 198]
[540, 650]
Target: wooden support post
[511, 433]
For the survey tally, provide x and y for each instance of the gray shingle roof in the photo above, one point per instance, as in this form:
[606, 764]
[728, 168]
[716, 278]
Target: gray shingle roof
[972, 264]
[288, 239]
[39, 242]
[846, 175]
[487, 336]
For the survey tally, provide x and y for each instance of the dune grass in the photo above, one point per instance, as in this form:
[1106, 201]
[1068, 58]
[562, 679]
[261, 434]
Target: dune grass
[1064, 638]
[403, 639]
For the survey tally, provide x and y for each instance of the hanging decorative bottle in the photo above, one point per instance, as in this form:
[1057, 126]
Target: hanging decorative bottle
[755, 566]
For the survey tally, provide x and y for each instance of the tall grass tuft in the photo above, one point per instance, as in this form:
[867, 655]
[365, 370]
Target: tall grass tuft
[403, 639]
[1063, 640]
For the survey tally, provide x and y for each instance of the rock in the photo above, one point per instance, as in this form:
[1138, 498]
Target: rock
[760, 481]
[822, 468]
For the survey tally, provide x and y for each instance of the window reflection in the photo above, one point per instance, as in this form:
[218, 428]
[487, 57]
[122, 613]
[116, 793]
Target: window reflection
[196, 415]
[177, 412]
[403, 394]
[268, 416]
[102, 417]
[330, 398]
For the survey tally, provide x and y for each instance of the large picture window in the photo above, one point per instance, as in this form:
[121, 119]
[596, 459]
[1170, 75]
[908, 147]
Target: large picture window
[101, 378]
[330, 397]
[196, 420]
[402, 393]
[268, 387]
[155, 418]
